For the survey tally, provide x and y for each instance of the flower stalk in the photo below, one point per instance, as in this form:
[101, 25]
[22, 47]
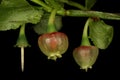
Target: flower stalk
[51, 22]
[85, 39]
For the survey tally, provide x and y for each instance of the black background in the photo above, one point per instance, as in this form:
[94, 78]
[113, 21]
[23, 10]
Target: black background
[37, 67]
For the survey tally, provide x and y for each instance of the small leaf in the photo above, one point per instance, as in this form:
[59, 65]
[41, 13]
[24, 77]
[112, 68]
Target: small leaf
[41, 27]
[89, 3]
[13, 13]
[64, 0]
[14, 3]
[0, 1]
[56, 4]
[101, 34]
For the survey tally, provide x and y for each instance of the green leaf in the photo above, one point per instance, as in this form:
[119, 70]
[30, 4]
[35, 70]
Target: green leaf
[41, 27]
[56, 4]
[64, 0]
[0, 1]
[14, 13]
[100, 33]
[89, 3]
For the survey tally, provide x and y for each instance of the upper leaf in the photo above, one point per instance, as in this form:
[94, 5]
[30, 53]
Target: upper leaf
[0, 1]
[14, 13]
[101, 34]
[56, 4]
[14, 3]
[89, 3]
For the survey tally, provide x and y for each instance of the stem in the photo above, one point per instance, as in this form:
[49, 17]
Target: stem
[85, 40]
[41, 3]
[103, 15]
[51, 21]
[22, 30]
[22, 59]
[75, 4]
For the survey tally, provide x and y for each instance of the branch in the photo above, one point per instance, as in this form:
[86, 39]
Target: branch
[80, 13]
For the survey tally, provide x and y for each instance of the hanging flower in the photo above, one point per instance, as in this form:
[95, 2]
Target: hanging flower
[85, 56]
[53, 44]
